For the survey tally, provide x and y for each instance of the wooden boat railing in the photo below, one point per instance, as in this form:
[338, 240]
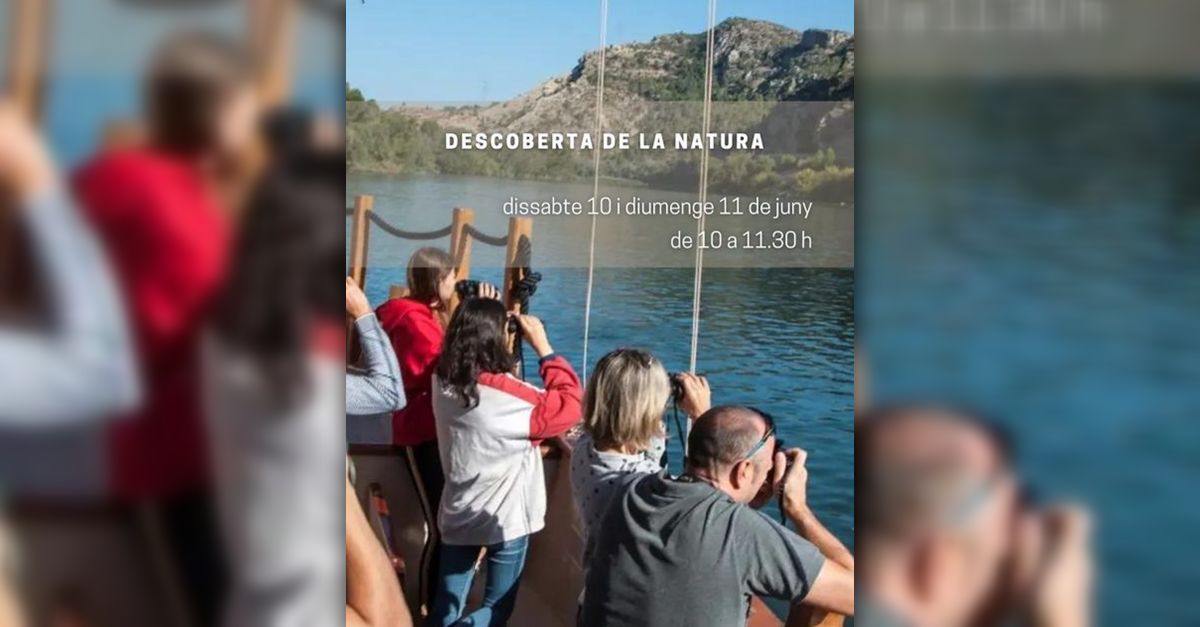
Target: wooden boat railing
[461, 232]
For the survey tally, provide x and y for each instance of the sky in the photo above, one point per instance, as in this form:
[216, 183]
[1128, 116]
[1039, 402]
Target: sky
[100, 48]
[442, 51]
[112, 38]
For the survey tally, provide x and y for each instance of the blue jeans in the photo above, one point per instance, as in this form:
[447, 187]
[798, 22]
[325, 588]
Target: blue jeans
[505, 561]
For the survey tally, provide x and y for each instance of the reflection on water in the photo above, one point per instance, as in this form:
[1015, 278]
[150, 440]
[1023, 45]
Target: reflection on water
[1032, 249]
[779, 339]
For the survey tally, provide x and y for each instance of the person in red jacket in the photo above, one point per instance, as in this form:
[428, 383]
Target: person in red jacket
[167, 232]
[416, 324]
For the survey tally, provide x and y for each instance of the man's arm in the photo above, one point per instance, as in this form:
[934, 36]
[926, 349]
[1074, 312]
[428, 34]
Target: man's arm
[373, 596]
[812, 530]
[794, 501]
[833, 589]
[83, 367]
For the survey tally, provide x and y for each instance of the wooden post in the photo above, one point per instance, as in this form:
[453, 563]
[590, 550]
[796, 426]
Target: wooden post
[518, 229]
[28, 30]
[460, 242]
[460, 249]
[830, 620]
[360, 235]
[808, 616]
[272, 33]
[27, 43]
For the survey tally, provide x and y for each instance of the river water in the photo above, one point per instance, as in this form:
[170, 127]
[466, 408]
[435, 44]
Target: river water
[779, 338]
[1032, 249]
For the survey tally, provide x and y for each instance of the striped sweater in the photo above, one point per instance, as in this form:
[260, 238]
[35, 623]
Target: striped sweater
[495, 487]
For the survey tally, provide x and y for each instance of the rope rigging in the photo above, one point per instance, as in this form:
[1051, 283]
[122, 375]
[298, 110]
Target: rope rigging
[388, 227]
[490, 240]
[587, 305]
[698, 277]
[418, 235]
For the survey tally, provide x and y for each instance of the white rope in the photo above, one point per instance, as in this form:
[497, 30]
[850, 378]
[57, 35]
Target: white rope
[587, 306]
[698, 279]
[710, 57]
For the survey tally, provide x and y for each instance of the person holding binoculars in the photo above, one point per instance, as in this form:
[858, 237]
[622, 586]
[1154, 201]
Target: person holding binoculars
[489, 428]
[624, 432]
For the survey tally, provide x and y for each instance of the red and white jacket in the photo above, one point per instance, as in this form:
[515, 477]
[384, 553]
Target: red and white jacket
[495, 487]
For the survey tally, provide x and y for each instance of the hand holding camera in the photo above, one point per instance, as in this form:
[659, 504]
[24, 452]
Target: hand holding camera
[692, 393]
[1062, 589]
[793, 484]
[534, 333]
[468, 288]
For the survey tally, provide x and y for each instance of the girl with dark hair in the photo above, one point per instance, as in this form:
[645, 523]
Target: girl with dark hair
[490, 425]
[415, 326]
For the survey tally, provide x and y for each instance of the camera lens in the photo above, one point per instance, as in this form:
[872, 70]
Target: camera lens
[676, 386]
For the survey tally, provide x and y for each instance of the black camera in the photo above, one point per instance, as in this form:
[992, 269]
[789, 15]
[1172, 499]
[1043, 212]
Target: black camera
[677, 390]
[467, 288]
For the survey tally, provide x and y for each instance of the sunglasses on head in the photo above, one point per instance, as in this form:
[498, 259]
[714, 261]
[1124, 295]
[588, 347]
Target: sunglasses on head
[643, 358]
[766, 435]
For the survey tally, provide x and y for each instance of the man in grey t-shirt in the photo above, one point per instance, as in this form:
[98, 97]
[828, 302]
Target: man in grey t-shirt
[691, 551]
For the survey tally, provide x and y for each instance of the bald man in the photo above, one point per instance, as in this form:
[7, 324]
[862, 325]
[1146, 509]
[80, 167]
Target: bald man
[693, 550]
[942, 533]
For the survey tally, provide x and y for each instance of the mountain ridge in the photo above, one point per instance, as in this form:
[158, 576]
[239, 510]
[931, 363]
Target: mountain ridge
[793, 87]
[754, 60]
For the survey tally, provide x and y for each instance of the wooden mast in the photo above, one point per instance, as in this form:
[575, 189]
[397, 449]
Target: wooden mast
[518, 229]
[272, 37]
[28, 27]
[360, 233]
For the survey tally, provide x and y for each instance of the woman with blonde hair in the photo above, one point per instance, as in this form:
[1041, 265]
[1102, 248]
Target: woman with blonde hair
[624, 434]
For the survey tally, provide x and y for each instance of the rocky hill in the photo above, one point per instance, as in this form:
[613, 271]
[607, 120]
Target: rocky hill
[795, 88]
[754, 61]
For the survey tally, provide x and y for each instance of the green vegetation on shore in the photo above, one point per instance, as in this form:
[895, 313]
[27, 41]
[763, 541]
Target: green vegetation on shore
[393, 142]
[793, 87]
